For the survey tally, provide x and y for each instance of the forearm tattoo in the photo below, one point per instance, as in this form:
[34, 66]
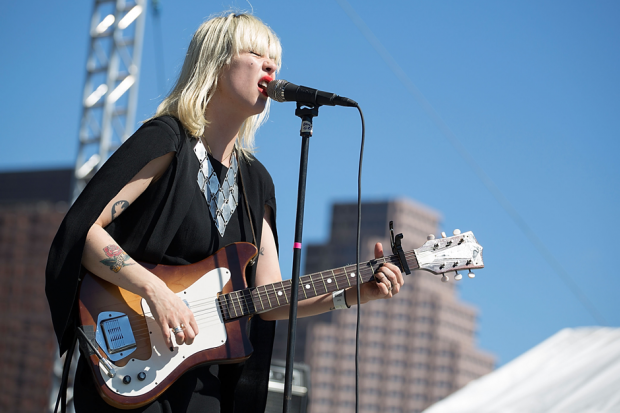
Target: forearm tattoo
[118, 207]
[117, 258]
[262, 251]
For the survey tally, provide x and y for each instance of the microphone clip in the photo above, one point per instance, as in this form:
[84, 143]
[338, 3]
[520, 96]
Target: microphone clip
[306, 112]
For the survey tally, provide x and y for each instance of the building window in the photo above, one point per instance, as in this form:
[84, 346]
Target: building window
[421, 382]
[396, 378]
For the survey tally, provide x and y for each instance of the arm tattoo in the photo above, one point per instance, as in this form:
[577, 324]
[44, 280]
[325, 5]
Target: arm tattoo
[262, 251]
[118, 208]
[117, 258]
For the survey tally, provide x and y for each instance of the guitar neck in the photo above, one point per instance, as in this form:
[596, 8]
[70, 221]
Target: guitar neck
[267, 297]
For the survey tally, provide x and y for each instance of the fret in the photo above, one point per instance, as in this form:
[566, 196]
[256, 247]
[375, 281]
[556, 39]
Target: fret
[276, 293]
[259, 298]
[370, 265]
[267, 294]
[361, 279]
[345, 277]
[284, 291]
[323, 278]
[229, 296]
[239, 301]
[224, 310]
[336, 281]
[313, 286]
[303, 287]
[247, 301]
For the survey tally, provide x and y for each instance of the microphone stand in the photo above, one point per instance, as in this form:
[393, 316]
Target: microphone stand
[306, 114]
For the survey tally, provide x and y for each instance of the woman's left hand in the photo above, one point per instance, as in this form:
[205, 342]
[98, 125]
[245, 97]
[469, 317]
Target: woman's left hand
[388, 280]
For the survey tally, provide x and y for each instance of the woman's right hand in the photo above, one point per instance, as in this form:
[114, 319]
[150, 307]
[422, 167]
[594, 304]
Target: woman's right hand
[170, 312]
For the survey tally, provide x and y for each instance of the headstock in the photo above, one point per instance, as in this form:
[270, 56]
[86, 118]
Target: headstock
[448, 254]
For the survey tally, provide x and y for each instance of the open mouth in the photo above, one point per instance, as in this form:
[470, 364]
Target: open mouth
[262, 84]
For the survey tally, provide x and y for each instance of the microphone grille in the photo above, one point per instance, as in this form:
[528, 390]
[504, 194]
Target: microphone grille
[275, 90]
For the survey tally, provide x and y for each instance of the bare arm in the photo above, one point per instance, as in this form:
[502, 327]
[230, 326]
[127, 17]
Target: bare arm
[103, 257]
[268, 272]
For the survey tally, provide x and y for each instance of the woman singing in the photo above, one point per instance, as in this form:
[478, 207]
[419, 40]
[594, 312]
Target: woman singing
[183, 186]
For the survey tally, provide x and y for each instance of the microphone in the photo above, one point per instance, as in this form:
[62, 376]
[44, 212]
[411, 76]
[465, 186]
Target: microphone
[282, 91]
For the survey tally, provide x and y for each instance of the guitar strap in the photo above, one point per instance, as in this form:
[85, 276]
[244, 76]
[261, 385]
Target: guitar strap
[62, 390]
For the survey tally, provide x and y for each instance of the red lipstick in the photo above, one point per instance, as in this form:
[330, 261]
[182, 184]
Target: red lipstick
[262, 84]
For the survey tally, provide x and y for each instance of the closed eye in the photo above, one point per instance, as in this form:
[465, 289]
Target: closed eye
[254, 53]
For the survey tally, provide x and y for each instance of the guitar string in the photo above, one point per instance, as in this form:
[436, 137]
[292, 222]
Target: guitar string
[248, 297]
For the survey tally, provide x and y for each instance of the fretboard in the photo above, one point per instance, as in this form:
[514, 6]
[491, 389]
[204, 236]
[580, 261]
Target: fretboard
[267, 297]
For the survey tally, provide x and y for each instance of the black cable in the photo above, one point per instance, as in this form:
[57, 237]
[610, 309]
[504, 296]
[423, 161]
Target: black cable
[512, 212]
[357, 262]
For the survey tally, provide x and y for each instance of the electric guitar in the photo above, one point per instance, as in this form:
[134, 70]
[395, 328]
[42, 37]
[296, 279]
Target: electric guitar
[132, 364]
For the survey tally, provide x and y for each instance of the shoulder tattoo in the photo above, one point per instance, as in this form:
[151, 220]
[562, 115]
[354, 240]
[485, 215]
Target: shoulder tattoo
[118, 207]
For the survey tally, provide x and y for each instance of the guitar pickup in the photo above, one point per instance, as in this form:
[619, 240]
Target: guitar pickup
[118, 334]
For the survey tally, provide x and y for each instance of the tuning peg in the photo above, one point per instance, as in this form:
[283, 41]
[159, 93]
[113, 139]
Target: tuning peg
[430, 237]
[456, 232]
[445, 278]
[471, 274]
[458, 276]
[443, 235]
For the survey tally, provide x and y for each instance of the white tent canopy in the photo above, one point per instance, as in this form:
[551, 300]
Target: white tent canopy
[575, 371]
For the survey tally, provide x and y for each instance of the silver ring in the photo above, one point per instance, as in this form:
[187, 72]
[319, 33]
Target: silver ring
[177, 330]
[386, 279]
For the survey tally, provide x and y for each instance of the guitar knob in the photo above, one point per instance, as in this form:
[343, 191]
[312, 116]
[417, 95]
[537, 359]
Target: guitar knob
[430, 237]
[443, 235]
[445, 278]
[141, 376]
[458, 276]
[471, 274]
[126, 379]
[456, 232]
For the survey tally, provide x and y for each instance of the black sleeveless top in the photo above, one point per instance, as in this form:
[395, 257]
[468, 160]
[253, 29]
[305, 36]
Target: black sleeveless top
[169, 224]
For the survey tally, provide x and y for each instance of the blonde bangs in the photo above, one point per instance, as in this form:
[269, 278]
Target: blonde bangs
[212, 47]
[253, 35]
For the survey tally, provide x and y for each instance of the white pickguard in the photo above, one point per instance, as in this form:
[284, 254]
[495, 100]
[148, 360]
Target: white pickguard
[163, 361]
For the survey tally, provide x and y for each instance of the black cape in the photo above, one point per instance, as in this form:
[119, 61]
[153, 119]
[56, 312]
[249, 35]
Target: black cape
[155, 229]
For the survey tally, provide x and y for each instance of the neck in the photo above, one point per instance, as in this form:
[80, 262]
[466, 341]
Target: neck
[222, 131]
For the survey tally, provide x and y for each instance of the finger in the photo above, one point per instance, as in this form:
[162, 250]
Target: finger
[194, 325]
[395, 276]
[179, 336]
[383, 283]
[383, 289]
[378, 250]
[190, 334]
[399, 275]
[168, 337]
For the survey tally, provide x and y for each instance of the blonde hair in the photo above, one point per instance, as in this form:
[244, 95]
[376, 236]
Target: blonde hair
[212, 48]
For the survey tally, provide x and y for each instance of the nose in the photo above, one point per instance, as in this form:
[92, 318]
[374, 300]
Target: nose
[269, 66]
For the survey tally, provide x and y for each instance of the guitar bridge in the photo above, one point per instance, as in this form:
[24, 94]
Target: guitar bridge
[115, 335]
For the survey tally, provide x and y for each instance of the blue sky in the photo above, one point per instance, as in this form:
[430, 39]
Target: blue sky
[530, 89]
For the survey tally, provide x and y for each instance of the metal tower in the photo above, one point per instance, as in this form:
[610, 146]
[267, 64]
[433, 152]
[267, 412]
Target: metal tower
[111, 87]
[108, 105]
